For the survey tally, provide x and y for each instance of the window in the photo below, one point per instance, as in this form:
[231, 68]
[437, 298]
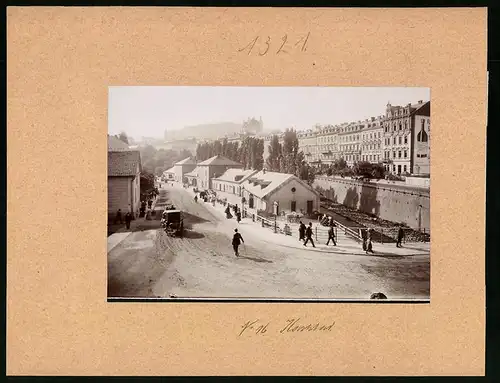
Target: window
[393, 168]
[293, 205]
[400, 140]
[393, 154]
[394, 140]
[406, 154]
[399, 154]
[404, 168]
[400, 126]
[406, 139]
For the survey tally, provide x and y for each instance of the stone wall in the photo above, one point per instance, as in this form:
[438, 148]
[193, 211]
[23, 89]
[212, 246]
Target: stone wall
[410, 205]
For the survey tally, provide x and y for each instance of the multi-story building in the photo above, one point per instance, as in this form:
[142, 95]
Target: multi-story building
[372, 139]
[308, 144]
[421, 140]
[349, 141]
[327, 144]
[400, 138]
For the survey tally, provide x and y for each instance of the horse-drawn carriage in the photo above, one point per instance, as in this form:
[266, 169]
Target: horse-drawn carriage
[172, 222]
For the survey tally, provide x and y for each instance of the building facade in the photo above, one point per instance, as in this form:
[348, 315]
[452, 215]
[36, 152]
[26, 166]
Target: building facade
[206, 170]
[267, 191]
[349, 138]
[372, 140]
[183, 167]
[400, 138]
[231, 181]
[124, 182]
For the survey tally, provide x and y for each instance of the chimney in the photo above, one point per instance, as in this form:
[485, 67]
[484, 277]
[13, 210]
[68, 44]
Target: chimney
[420, 101]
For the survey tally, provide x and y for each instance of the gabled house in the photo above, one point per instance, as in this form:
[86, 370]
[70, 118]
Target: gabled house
[182, 167]
[169, 174]
[231, 180]
[278, 192]
[206, 170]
[124, 185]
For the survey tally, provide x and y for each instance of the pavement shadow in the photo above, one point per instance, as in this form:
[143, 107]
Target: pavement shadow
[193, 235]
[191, 219]
[259, 260]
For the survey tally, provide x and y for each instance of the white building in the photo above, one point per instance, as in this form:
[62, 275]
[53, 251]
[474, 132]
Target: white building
[263, 189]
[232, 180]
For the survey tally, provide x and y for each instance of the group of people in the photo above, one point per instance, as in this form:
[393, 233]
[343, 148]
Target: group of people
[236, 210]
[119, 219]
[306, 232]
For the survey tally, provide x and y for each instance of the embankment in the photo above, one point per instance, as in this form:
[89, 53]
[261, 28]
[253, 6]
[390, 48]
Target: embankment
[396, 203]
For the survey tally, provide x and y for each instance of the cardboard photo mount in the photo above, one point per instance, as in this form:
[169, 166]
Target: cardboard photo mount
[61, 62]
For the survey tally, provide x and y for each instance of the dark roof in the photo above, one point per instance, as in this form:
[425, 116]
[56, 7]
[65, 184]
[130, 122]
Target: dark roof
[116, 145]
[126, 163]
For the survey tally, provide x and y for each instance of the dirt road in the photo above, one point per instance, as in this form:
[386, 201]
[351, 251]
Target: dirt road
[202, 264]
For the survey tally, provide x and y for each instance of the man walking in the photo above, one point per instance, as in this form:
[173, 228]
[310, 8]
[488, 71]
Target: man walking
[331, 236]
[309, 233]
[401, 235]
[369, 246]
[128, 219]
[237, 240]
[302, 231]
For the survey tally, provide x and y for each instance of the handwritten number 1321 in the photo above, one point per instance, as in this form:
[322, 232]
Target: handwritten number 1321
[267, 45]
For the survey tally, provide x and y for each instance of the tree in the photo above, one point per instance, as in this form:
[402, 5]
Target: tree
[123, 137]
[259, 154]
[290, 151]
[184, 154]
[363, 169]
[147, 182]
[378, 171]
[340, 164]
[274, 158]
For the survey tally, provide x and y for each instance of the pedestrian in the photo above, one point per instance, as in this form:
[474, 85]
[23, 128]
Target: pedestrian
[302, 231]
[309, 233]
[369, 246]
[118, 218]
[128, 219]
[195, 198]
[237, 240]
[331, 236]
[238, 216]
[364, 236]
[150, 203]
[401, 235]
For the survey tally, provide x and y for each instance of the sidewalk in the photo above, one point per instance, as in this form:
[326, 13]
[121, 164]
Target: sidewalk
[345, 245]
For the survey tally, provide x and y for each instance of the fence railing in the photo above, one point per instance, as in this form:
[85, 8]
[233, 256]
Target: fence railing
[320, 232]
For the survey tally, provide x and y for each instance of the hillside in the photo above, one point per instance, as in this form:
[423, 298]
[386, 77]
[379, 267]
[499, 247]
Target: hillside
[205, 131]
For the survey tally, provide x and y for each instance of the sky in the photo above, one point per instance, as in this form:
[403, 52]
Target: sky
[149, 111]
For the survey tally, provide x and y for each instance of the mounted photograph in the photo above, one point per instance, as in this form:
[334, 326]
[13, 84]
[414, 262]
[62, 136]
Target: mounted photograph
[269, 193]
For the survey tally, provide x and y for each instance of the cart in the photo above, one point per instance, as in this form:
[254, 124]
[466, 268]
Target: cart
[173, 223]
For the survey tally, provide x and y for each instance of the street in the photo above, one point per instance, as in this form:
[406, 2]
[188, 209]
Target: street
[202, 264]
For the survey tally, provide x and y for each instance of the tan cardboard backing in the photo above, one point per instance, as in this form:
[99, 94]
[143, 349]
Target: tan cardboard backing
[60, 64]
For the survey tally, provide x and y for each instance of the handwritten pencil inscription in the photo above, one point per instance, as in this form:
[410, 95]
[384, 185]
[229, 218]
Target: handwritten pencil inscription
[257, 327]
[267, 45]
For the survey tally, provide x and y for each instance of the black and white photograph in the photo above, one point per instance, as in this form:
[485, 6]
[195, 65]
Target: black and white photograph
[269, 193]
